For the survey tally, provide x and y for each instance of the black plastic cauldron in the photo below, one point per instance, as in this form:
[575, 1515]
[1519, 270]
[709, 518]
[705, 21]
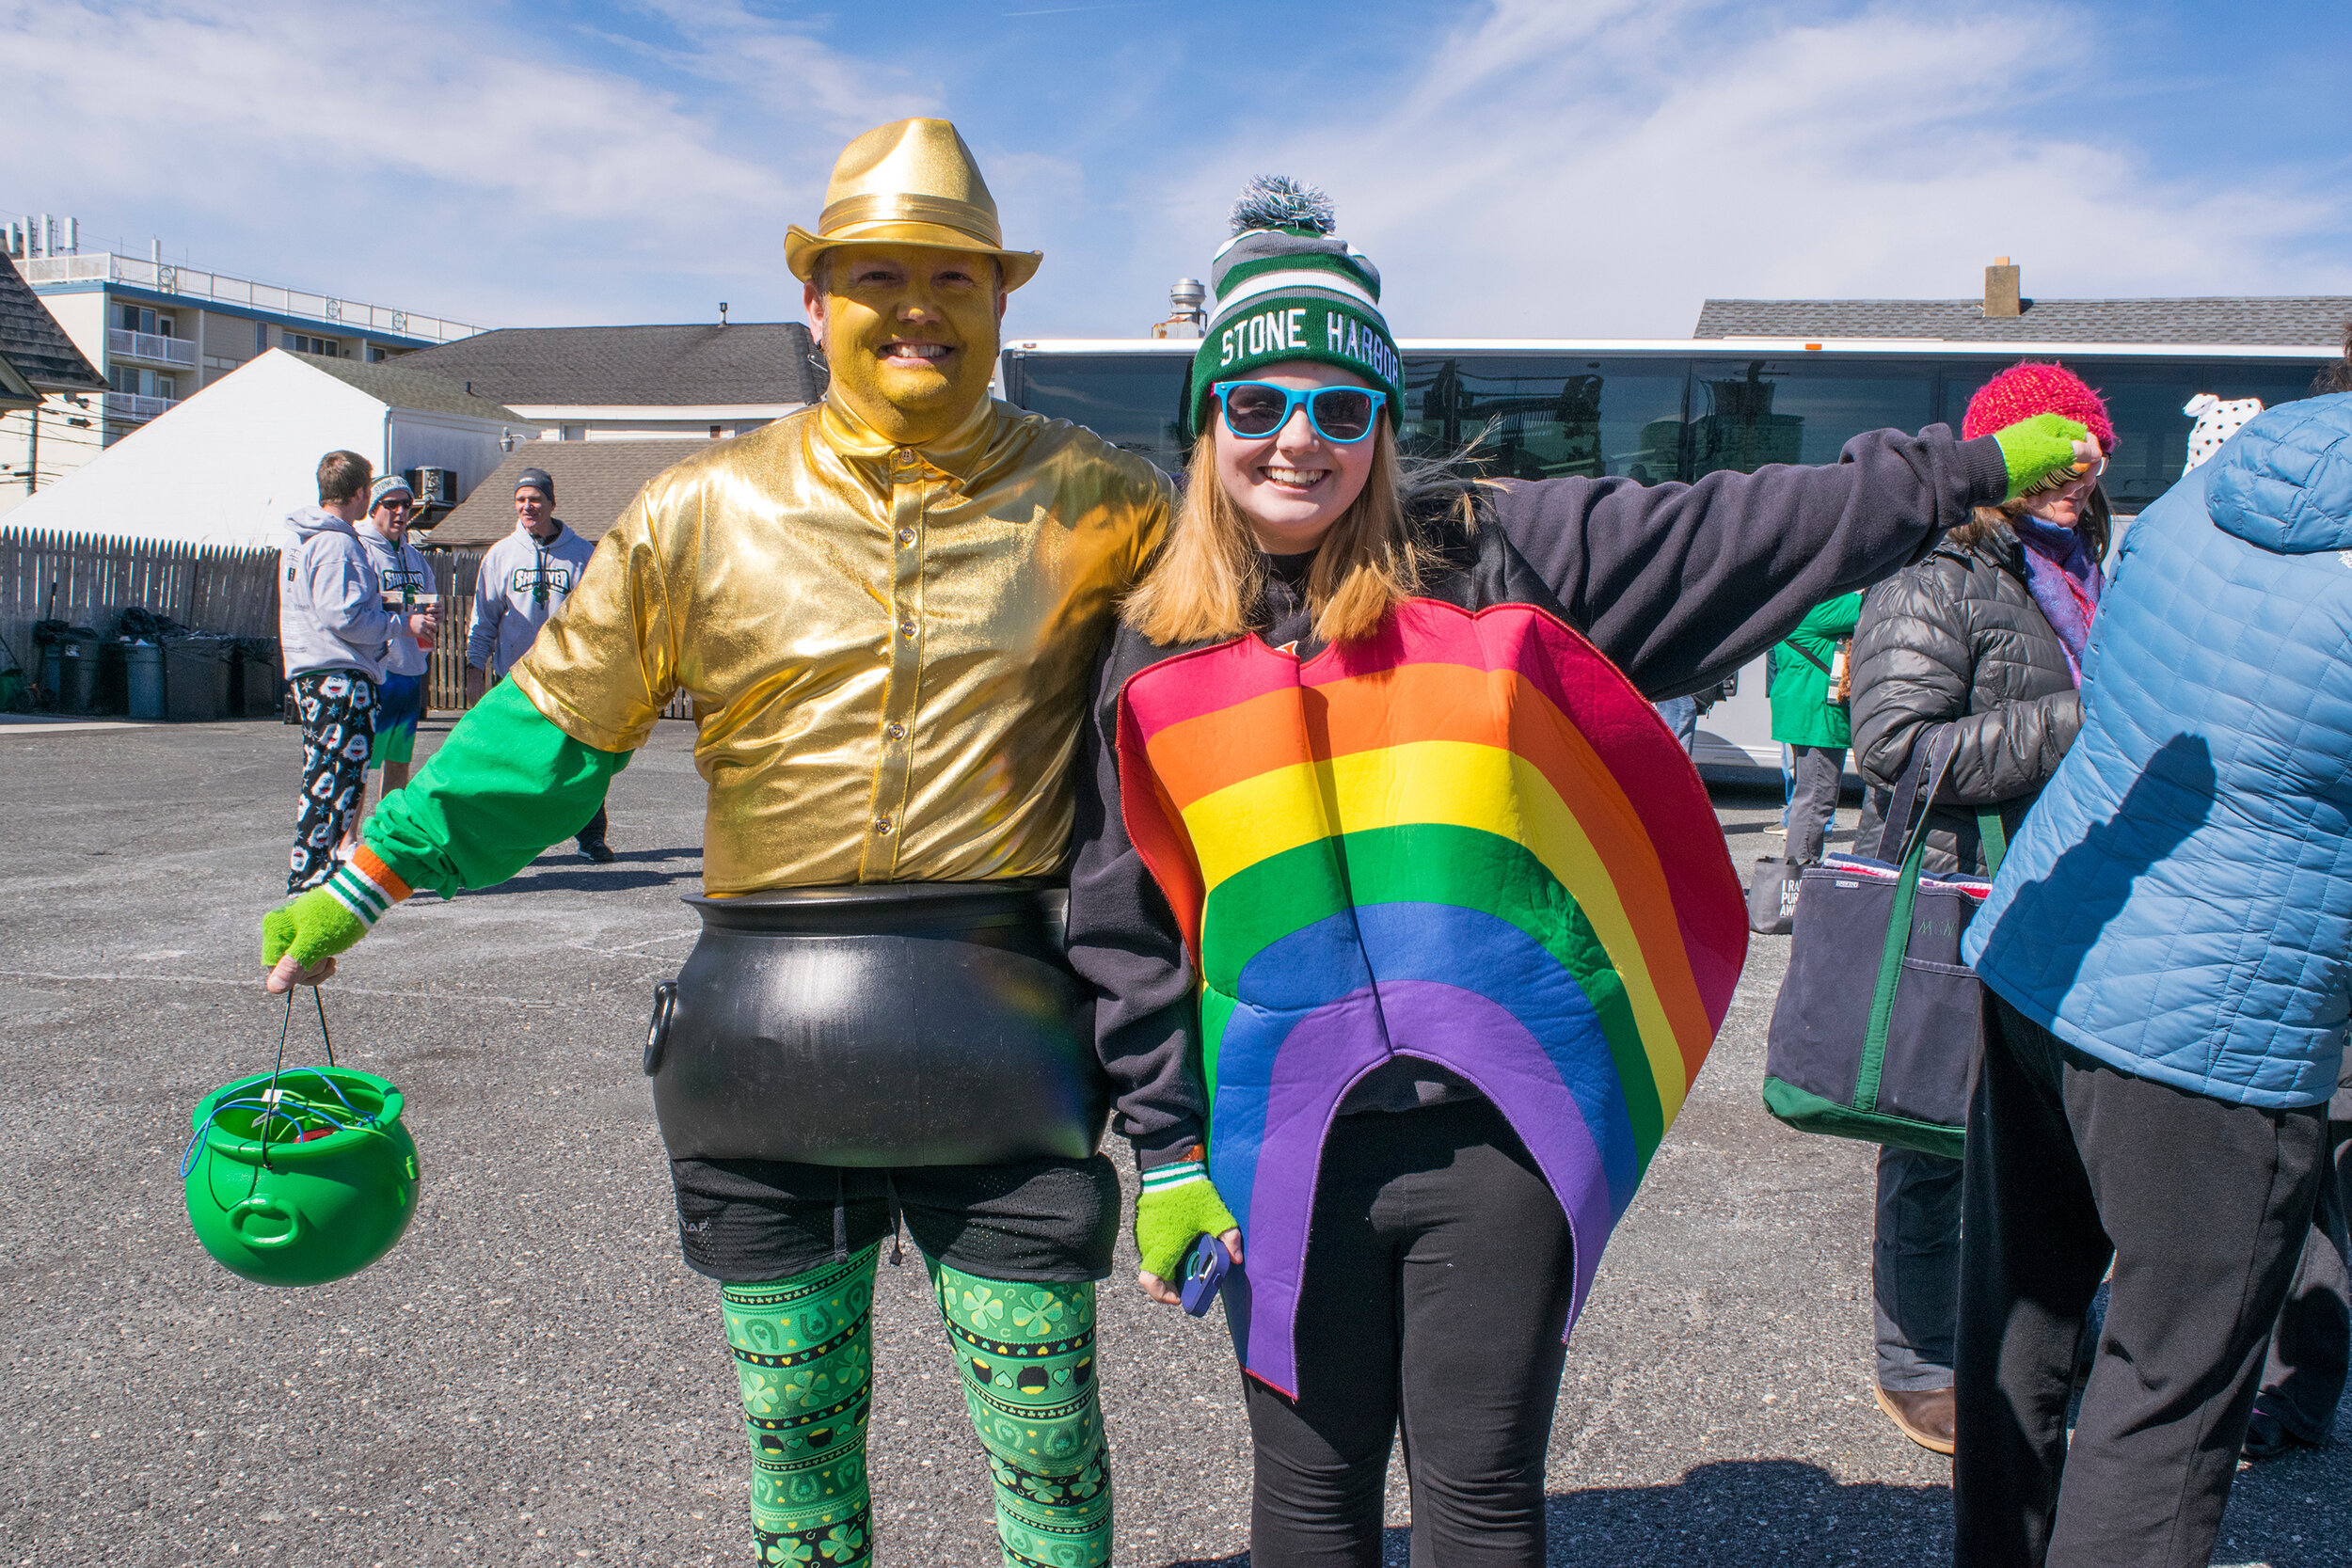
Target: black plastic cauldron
[914, 1023]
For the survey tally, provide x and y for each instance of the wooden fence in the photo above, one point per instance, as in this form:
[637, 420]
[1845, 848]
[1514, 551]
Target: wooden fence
[86, 580]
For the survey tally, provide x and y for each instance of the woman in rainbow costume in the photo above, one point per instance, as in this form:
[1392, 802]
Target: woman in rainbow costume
[1410, 920]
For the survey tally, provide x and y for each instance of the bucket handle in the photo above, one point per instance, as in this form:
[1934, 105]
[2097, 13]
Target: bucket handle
[270, 1206]
[658, 1034]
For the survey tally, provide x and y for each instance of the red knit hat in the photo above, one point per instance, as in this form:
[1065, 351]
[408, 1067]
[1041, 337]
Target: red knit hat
[2023, 390]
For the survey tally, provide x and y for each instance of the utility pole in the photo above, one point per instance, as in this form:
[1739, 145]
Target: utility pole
[32, 447]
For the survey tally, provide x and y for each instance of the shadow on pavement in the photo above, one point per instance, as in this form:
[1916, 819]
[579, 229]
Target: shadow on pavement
[1760, 1511]
[563, 868]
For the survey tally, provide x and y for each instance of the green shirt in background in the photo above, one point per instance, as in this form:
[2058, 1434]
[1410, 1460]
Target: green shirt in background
[1802, 715]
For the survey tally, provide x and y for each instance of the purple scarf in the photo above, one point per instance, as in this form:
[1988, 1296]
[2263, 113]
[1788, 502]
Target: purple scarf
[2064, 581]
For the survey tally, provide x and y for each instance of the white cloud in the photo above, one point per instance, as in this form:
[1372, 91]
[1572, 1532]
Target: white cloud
[1602, 167]
[255, 125]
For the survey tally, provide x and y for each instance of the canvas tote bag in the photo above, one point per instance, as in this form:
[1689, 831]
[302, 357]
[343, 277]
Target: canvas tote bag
[1879, 1026]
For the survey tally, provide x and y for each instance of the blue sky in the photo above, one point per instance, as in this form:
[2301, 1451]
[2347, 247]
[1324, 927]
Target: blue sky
[1582, 166]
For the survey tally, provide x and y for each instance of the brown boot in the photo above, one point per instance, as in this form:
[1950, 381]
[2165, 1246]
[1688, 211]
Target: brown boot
[1923, 1415]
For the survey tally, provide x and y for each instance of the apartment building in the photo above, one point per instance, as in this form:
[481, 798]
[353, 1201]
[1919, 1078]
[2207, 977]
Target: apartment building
[160, 332]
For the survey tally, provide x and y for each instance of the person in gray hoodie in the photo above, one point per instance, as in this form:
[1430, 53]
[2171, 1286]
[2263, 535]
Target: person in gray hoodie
[523, 581]
[332, 629]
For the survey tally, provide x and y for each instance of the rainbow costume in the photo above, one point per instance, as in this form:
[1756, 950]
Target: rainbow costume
[1467, 840]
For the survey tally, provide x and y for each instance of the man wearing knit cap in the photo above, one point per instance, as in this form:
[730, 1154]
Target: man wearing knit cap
[523, 581]
[407, 583]
[885, 610]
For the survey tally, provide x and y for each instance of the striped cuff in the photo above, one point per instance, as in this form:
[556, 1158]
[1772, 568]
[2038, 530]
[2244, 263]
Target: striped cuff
[1182, 1173]
[366, 886]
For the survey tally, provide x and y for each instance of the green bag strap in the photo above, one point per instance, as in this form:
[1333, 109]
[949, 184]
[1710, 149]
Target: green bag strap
[1866, 1088]
[1996, 840]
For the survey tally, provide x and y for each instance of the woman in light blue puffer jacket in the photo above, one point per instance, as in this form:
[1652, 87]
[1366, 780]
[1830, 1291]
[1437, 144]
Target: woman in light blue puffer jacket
[2169, 948]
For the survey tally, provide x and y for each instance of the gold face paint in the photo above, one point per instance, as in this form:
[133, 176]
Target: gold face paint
[911, 334]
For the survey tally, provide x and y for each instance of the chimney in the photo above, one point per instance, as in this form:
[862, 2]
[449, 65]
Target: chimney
[722, 312]
[1185, 301]
[2002, 296]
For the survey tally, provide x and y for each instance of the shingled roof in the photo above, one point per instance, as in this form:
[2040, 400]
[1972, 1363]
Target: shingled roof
[2307, 321]
[32, 342]
[398, 383]
[747, 363]
[594, 482]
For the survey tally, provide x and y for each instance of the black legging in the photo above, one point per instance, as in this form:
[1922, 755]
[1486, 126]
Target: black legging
[1437, 1287]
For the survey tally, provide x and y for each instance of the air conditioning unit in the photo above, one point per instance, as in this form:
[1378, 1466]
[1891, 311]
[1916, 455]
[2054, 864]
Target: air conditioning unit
[434, 487]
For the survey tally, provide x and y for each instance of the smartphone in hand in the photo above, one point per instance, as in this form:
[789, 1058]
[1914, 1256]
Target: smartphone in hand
[1205, 1271]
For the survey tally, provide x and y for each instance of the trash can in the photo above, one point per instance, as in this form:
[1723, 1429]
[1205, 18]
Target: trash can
[143, 679]
[196, 679]
[253, 684]
[78, 683]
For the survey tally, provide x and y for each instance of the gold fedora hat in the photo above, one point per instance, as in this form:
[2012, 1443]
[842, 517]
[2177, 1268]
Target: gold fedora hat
[911, 182]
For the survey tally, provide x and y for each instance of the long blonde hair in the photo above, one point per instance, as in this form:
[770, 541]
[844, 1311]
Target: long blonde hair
[1209, 580]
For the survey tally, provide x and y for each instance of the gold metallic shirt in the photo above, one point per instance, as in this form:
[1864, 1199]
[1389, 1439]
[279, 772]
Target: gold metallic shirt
[888, 649]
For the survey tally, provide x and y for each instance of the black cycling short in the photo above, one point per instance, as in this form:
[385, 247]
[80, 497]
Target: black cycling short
[745, 1221]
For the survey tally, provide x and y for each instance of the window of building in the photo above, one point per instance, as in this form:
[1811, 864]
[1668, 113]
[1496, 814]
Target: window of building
[145, 383]
[261, 337]
[377, 354]
[139, 319]
[302, 343]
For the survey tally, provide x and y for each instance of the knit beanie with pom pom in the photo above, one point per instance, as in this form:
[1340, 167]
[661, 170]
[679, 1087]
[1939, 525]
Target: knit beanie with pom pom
[1286, 290]
[2023, 390]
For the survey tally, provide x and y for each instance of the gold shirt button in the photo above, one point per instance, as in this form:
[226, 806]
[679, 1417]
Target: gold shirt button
[897, 731]
[881, 825]
[906, 628]
[906, 536]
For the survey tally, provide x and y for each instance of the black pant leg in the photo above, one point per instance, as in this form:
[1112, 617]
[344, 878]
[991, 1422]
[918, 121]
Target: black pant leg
[2208, 1202]
[2031, 1254]
[594, 831]
[2303, 1380]
[1321, 1462]
[1486, 1282]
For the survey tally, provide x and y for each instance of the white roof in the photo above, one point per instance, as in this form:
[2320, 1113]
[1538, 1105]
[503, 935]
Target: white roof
[223, 466]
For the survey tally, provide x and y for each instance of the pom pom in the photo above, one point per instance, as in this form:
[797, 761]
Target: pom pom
[1278, 201]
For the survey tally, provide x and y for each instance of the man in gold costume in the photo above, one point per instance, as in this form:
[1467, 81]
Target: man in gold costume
[886, 611]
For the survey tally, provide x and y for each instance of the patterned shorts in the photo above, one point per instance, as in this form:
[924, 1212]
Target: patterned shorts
[338, 708]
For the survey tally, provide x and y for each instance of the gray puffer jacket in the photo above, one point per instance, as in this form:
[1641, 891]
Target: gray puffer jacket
[1957, 643]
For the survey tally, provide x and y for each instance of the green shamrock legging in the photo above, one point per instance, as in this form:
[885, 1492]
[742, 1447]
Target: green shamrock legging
[803, 1352]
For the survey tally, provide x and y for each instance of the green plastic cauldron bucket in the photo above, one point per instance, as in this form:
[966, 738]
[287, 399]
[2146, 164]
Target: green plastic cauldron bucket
[331, 1191]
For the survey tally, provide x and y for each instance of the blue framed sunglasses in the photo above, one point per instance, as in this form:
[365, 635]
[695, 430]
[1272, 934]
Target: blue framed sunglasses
[1256, 409]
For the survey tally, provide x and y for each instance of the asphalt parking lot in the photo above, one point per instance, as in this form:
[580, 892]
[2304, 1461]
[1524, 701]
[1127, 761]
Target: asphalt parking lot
[534, 1377]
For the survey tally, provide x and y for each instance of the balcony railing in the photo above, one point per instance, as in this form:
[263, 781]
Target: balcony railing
[135, 408]
[241, 293]
[150, 346]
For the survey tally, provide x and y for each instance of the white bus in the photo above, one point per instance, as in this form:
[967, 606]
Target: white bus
[1663, 409]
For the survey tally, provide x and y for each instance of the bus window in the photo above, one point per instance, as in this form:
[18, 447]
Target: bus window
[1746, 413]
[1130, 400]
[1549, 417]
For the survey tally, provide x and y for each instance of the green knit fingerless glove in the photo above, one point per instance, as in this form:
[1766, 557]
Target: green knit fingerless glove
[2037, 450]
[329, 918]
[1178, 1203]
